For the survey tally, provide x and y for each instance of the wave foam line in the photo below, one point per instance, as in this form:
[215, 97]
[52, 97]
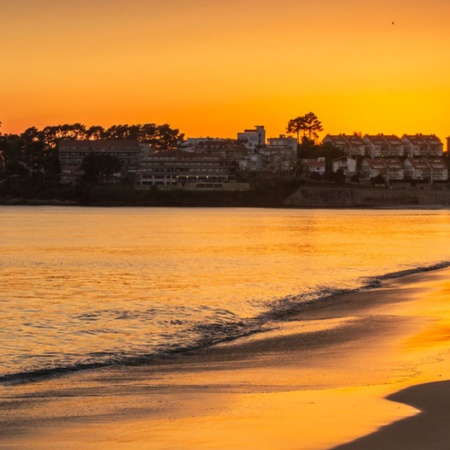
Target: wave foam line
[216, 333]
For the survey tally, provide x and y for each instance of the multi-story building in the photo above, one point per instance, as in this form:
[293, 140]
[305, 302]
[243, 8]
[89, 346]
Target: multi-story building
[376, 146]
[395, 146]
[280, 154]
[229, 149]
[253, 138]
[351, 145]
[253, 162]
[178, 169]
[283, 142]
[429, 169]
[278, 159]
[389, 168]
[380, 146]
[439, 169]
[73, 152]
[420, 145]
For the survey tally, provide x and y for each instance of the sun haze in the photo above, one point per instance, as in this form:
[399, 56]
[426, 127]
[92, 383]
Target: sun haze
[213, 67]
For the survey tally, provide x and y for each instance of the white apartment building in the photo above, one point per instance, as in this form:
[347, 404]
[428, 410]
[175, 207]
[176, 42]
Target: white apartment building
[253, 162]
[346, 164]
[253, 138]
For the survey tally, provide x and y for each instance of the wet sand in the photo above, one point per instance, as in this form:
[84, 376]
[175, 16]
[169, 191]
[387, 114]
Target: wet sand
[361, 371]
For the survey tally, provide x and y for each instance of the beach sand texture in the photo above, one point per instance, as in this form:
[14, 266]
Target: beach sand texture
[361, 371]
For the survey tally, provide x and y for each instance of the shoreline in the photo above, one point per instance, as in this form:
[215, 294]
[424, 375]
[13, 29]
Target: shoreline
[283, 195]
[329, 367]
[75, 204]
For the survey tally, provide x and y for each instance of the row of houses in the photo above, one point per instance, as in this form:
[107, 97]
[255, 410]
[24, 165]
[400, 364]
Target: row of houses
[380, 145]
[391, 169]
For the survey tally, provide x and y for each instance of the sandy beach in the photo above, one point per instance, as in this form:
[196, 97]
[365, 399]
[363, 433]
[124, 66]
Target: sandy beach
[360, 371]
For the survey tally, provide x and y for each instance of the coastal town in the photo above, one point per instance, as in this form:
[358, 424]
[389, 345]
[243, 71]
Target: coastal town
[226, 164]
[149, 164]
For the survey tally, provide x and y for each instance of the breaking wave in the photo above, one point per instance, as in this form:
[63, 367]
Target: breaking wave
[226, 326]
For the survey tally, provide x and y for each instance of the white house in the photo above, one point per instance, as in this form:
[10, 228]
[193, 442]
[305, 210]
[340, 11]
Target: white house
[346, 164]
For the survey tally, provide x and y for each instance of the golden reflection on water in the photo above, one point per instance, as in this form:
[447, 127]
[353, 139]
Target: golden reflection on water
[296, 399]
[83, 284]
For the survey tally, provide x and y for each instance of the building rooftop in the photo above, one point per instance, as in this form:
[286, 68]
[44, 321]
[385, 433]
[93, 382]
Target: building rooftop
[114, 145]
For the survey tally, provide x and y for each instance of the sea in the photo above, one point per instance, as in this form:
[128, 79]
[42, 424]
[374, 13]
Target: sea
[85, 288]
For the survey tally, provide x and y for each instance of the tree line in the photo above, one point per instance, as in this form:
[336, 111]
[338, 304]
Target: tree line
[31, 158]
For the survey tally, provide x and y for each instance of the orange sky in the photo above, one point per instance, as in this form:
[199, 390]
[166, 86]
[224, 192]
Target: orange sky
[215, 67]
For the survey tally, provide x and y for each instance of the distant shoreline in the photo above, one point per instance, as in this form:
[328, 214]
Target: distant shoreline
[322, 197]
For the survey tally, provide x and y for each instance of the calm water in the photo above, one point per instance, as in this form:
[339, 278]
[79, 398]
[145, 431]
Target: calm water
[84, 286]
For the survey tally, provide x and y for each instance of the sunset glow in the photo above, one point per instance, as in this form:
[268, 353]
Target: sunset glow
[216, 67]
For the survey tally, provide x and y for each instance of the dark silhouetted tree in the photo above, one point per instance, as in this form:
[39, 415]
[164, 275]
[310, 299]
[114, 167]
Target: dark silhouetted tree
[95, 132]
[160, 137]
[315, 176]
[379, 180]
[309, 126]
[339, 177]
[99, 167]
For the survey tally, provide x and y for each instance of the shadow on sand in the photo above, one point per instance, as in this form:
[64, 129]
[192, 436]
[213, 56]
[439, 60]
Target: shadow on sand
[429, 429]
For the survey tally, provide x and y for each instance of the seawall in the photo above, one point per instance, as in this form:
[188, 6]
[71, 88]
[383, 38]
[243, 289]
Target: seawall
[353, 197]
